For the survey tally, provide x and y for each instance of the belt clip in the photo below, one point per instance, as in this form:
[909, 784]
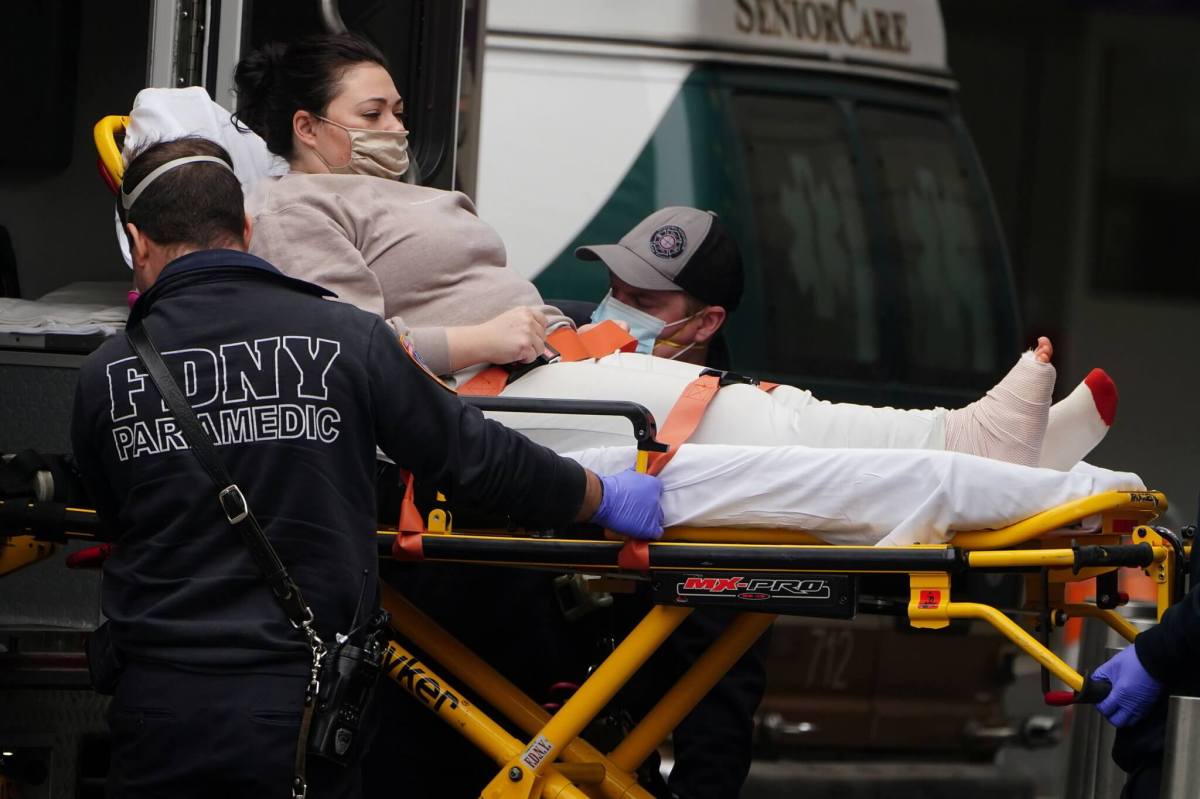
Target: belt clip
[517, 371]
[725, 378]
[233, 502]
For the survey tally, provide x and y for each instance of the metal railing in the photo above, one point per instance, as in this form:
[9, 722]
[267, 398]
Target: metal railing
[1181, 767]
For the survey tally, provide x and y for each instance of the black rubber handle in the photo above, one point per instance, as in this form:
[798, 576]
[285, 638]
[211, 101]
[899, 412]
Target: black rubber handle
[1094, 691]
[1128, 555]
[46, 521]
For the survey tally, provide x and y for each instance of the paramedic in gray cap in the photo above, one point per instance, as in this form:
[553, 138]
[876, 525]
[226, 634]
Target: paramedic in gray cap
[674, 279]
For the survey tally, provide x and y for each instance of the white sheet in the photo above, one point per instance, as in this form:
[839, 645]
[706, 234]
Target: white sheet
[160, 114]
[888, 497]
[79, 309]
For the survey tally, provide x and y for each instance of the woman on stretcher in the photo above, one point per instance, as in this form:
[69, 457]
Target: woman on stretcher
[423, 260]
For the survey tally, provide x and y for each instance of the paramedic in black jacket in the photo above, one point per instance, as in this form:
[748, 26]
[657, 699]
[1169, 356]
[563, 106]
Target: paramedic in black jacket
[1161, 661]
[296, 392]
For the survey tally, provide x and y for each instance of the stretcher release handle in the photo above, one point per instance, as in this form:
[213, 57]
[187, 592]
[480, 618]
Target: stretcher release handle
[644, 427]
[89, 557]
[104, 135]
[634, 554]
[1093, 692]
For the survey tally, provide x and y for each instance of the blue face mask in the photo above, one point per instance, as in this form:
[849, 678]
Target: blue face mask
[645, 327]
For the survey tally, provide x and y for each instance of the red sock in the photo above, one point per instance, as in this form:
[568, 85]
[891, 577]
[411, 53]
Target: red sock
[1079, 421]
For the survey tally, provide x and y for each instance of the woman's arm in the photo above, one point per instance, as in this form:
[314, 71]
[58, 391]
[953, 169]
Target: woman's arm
[516, 336]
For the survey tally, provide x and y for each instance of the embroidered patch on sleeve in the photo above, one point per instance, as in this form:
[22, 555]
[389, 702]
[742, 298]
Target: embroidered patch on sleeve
[407, 345]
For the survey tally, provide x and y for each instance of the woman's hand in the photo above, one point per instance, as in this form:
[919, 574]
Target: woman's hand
[516, 336]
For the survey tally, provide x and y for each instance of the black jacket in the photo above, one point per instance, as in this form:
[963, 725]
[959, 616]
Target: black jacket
[1170, 650]
[297, 391]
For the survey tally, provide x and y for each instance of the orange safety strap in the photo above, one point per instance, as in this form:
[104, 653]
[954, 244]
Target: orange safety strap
[488, 383]
[634, 556]
[569, 345]
[685, 416]
[407, 545]
[687, 413]
[603, 339]
[681, 423]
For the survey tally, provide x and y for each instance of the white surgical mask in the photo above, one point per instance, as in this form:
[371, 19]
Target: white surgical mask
[680, 349]
[646, 328]
[381, 153]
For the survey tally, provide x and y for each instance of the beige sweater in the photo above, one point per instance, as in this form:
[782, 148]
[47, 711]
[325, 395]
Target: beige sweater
[418, 257]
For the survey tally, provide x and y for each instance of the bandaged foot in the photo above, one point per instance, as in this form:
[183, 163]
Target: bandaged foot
[1009, 422]
[1079, 421]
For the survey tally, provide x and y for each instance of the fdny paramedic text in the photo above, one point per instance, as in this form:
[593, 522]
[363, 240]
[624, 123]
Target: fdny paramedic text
[270, 389]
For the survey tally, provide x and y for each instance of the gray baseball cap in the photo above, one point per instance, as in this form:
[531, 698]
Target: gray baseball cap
[676, 249]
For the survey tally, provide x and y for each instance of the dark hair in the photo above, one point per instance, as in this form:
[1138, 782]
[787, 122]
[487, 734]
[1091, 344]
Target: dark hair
[277, 80]
[197, 204]
[714, 273]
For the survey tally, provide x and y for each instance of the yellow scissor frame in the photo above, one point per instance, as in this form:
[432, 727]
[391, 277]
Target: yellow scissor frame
[551, 760]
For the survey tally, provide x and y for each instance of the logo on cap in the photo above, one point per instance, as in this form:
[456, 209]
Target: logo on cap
[669, 241]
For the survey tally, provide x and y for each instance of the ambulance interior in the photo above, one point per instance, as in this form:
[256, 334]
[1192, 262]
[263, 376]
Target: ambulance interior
[87, 61]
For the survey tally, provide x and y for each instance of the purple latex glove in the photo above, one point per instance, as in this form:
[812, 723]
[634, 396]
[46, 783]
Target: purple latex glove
[1134, 691]
[631, 505]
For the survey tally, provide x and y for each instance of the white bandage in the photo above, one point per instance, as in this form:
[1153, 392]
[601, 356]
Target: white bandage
[1009, 423]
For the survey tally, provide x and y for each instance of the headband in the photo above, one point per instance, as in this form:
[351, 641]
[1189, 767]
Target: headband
[127, 200]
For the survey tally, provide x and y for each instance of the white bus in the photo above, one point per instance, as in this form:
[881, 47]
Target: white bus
[825, 133]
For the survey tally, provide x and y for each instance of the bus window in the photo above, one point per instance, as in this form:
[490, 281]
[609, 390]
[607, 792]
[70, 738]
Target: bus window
[819, 292]
[938, 228]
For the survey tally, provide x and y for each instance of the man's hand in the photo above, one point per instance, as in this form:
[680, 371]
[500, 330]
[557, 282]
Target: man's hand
[1134, 691]
[631, 505]
[516, 336]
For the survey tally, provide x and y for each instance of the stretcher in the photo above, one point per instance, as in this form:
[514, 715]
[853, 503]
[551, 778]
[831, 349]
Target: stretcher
[763, 573]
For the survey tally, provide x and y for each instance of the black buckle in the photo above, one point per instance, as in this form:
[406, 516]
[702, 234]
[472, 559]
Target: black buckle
[233, 502]
[725, 378]
[516, 372]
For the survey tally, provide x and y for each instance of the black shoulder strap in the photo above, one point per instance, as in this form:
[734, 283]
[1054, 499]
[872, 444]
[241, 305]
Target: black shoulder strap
[232, 501]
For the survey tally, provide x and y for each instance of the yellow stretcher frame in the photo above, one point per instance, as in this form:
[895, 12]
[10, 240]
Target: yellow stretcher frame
[104, 134]
[548, 758]
[553, 761]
